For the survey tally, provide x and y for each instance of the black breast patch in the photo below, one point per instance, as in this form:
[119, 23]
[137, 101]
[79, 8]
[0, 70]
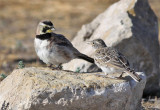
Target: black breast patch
[44, 36]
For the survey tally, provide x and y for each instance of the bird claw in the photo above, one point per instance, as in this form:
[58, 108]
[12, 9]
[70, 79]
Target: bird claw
[55, 68]
[59, 67]
[119, 77]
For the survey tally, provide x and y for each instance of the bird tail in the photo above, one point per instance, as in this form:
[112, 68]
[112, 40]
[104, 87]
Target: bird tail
[85, 57]
[134, 75]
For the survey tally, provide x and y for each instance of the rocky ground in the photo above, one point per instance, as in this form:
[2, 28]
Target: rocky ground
[151, 103]
[46, 89]
[19, 20]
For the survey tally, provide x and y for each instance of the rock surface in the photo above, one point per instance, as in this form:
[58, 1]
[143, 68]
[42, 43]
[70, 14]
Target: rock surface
[44, 89]
[132, 28]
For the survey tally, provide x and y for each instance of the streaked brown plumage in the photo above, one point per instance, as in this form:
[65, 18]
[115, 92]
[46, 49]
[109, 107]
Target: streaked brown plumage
[110, 60]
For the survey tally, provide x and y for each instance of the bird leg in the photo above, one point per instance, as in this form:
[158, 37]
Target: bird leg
[59, 67]
[121, 75]
[49, 66]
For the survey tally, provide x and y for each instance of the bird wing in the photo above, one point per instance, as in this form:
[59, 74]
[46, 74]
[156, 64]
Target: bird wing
[110, 57]
[59, 39]
[62, 43]
[123, 60]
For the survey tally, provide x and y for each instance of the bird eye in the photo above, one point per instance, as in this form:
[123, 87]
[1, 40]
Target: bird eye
[45, 29]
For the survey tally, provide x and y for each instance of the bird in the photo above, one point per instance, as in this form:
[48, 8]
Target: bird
[111, 60]
[55, 49]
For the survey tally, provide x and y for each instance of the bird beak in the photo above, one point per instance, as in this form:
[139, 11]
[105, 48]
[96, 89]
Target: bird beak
[50, 30]
[53, 29]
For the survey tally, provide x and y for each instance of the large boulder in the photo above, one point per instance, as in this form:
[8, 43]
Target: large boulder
[132, 28]
[44, 89]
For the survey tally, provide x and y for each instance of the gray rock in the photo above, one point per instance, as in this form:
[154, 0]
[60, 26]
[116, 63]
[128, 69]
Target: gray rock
[132, 28]
[45, 89]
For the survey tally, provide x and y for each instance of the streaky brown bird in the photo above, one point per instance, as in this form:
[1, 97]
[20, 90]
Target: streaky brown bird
[111, 61]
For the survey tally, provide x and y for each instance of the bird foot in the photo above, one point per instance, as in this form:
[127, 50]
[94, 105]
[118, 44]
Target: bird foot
[55, 68]
[59, 67]
[119, 78]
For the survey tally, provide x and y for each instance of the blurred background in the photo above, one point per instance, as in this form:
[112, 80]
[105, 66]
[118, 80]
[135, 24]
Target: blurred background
[19, 19]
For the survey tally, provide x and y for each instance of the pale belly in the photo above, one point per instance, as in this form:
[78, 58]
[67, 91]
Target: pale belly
[109, 70]
[52, 57]
[43, 55]
[49, 56]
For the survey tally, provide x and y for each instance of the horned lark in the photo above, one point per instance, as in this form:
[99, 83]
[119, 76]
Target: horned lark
[110, 60]
[54, 49]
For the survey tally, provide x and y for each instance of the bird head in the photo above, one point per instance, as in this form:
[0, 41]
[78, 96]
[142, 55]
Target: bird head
[97, 43]
[45, 27]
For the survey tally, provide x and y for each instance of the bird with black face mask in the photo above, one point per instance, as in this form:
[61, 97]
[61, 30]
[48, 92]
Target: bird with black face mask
[110, 60]
[54, 49]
